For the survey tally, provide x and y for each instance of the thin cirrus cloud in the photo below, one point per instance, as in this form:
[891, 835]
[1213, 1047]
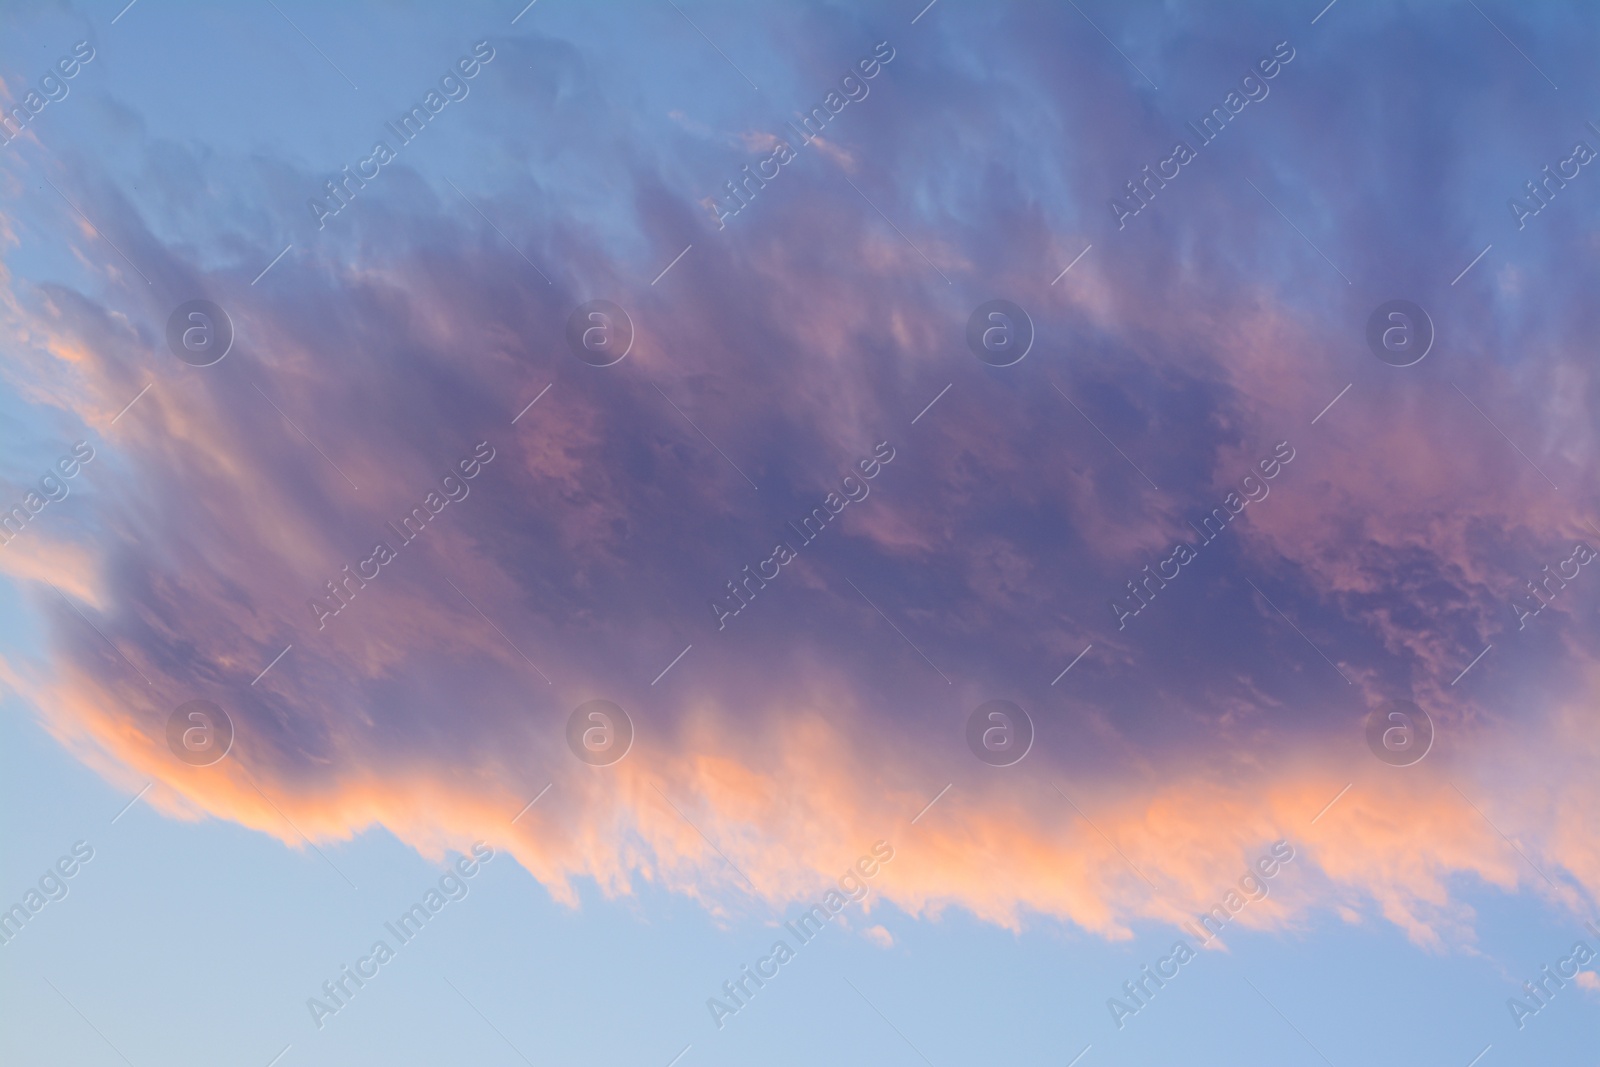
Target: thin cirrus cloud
[830, 710]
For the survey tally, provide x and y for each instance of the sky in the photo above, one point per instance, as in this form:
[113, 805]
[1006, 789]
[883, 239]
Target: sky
[1074, 521]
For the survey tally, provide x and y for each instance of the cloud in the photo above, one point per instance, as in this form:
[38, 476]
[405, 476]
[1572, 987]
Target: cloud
[588, 553]
[878, 936]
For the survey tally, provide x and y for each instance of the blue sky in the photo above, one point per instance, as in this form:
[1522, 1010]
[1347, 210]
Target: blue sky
[1026, 511]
